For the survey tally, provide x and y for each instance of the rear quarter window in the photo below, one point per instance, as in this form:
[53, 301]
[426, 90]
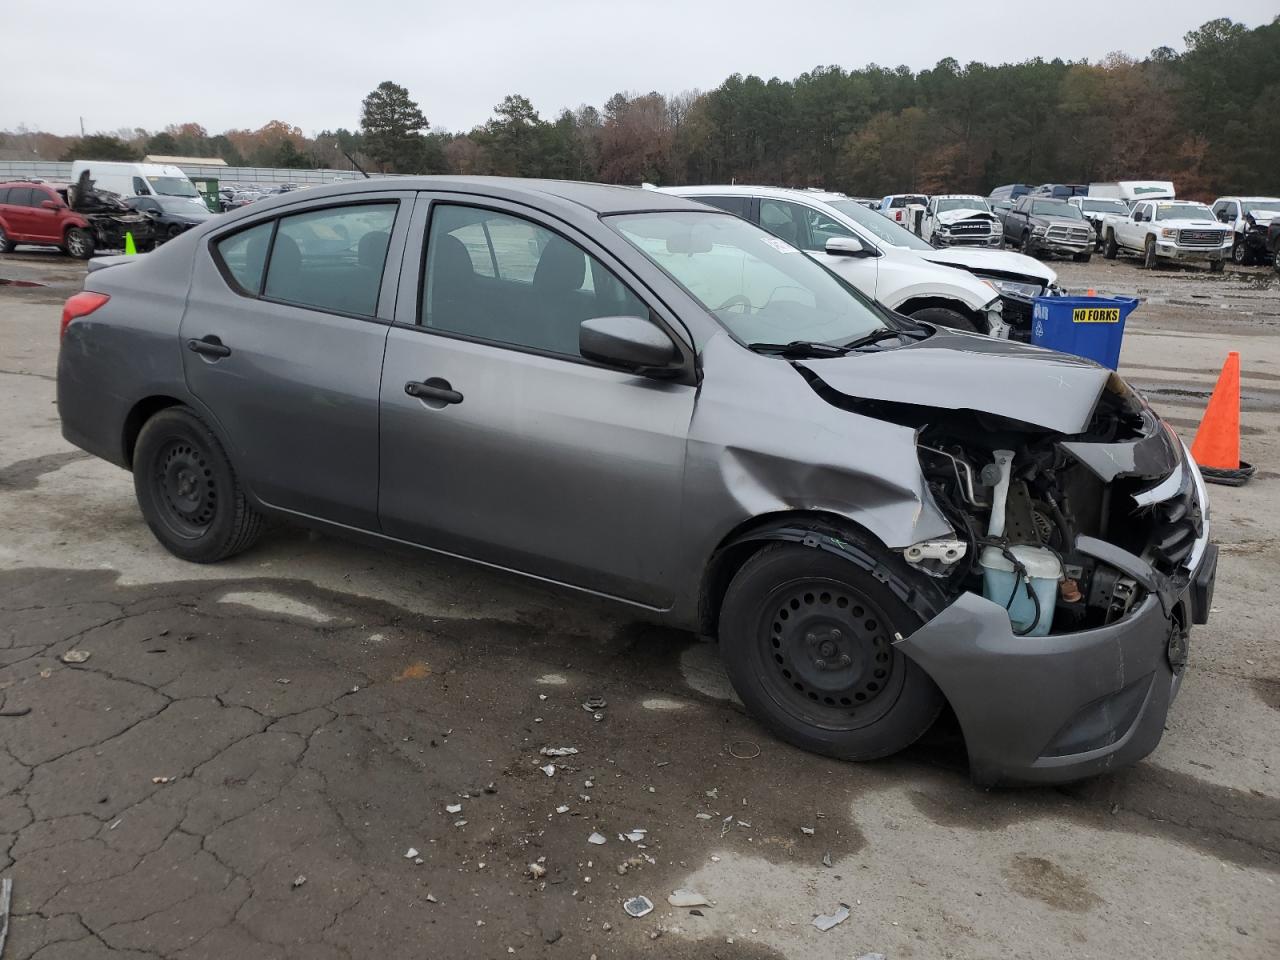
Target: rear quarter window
[243, 256]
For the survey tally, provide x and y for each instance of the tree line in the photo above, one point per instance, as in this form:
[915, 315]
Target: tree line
[1207, 118]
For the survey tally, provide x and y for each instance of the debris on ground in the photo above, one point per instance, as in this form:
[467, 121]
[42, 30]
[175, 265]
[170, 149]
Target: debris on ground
[411, 853]
[161, 780]
[76, 656]
[453, 808]
[826, 859]
[459, 823]
[594, 703]
[298, 881]
[636, 834]
[744, 750]
[558, 751]
[807, 831]
[825, 921]
[638, 906]
[872, 956]
[563, 808]
[431, 898]
[549, 769]
[597, 839]
[714, 793]
[687, 898]
[702, 816]
[537, 871]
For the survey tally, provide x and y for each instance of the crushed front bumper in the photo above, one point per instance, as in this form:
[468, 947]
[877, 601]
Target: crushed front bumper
[1065, 706]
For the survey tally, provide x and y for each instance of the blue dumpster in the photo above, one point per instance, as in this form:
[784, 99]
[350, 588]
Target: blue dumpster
[1090, 327]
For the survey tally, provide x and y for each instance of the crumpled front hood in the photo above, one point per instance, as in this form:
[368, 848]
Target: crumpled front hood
[993, 261]
[951, 216]
[954, 370]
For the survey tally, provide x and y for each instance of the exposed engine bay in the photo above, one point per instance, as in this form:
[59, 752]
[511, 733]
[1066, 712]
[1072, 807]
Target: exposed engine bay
[1029, 508]
[108, 215]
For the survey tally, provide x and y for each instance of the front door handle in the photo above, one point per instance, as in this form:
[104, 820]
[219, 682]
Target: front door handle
[434, 391]
[209, 346]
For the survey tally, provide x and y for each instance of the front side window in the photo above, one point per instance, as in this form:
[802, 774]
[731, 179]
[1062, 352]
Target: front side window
[1050, 208]
[331, 259]
[880, 226]
[761, 289]
[500, 278]
[784, 220]
[140, 187]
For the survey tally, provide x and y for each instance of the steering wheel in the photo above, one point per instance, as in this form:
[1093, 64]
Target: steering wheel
[737, 300]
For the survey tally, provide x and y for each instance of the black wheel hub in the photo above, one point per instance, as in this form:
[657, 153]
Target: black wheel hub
[827, 653]
[184, 487]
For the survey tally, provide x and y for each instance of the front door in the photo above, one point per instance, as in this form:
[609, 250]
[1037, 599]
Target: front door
[282, 342]
[810, 229]
[499, 441]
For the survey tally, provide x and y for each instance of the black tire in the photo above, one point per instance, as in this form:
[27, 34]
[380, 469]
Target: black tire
[1082, 257]
[1110, 249]
[1240, 254]
[945, 317]
[806, 639]
[1149, 253]
[78, 242]
[1217, 266]
[1025, 246]
[188, 491]
[1275, 263]
[6, 245]
[175, 230]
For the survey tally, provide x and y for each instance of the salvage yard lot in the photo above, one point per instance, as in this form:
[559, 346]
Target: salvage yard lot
[242, 763]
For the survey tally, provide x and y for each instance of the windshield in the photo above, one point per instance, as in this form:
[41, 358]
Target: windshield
[760, 288]
[906, 201]
[173, 186]
[883, 228]
[183, 205]
[1183, 211]
[1270, 205]
[1059, 208]
[963, 203]
[1105, 206]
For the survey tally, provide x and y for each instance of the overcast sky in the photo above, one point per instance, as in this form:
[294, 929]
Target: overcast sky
[239, 64]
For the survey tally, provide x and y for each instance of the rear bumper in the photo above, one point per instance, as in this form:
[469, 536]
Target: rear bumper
[1065, 706]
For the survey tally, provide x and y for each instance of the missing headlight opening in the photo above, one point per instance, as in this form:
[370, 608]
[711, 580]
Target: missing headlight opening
[1029, 507]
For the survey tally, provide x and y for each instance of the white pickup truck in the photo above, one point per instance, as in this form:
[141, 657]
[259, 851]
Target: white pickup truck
[1167, 230]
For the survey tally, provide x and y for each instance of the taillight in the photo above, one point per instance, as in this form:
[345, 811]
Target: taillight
[898, 215]
[80, 305]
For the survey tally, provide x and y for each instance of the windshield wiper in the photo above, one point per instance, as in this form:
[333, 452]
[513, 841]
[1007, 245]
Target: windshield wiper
[801, 348]
[818, 348]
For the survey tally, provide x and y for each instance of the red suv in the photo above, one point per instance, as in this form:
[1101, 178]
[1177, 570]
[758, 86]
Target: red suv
[36, 213]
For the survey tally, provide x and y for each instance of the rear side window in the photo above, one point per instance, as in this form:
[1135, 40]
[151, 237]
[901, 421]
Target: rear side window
[331, 259]
[20, 196]
[4, 194]
[244, 255]
[736, 205]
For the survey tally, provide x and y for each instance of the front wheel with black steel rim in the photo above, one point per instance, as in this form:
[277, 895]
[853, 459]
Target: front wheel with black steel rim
[807, 639]
[1149, 253]
[6, 245]
[78, 242]
[1239, 253]
[188, 491]
[1109, 247]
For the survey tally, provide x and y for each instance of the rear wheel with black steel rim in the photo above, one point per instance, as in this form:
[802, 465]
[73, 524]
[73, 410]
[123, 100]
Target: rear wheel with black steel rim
[807, 640]
[6, 245]
[1149, 254]
[188, 491]
[1239, 253]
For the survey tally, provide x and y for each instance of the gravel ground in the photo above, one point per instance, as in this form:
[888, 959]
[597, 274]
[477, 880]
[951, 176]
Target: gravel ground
[243, 763]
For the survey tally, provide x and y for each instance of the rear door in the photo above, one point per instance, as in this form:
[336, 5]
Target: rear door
[537, 459]
[282, 342]
[18, 212]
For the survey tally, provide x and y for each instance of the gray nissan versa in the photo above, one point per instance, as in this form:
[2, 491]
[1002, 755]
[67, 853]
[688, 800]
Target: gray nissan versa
[633, 395]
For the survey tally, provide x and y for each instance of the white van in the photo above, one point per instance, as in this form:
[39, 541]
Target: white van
[1131, 191]
[137, 179]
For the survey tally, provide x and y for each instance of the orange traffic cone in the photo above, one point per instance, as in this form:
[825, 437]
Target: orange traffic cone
[1217, 445]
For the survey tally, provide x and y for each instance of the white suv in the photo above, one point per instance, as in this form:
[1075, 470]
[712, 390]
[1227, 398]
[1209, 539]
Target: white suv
[989, 291]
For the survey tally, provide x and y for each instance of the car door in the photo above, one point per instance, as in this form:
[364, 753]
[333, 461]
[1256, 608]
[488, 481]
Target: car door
[19, 213]
[514, 450]
[282, 342]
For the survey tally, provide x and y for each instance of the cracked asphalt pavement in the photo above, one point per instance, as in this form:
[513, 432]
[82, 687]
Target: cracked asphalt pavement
[243, 763]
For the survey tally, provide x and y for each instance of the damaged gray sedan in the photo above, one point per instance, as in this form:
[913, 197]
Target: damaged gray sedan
[630, 394]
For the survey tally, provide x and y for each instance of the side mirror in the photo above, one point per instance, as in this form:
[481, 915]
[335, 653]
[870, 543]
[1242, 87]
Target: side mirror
[51, 204]
[630, 343]
[849, 247]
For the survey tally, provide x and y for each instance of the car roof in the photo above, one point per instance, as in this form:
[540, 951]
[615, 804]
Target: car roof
[957, 196]
[1251, 199]
[737, 189]
[597, 197]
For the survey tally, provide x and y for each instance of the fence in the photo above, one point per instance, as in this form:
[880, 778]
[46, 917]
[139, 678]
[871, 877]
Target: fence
[61, 171]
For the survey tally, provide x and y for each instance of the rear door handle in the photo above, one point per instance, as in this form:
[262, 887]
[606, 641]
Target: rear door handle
[209, 346]
[437, 390]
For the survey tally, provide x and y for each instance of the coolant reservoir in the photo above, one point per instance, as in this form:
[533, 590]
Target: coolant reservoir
[1000, 583]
